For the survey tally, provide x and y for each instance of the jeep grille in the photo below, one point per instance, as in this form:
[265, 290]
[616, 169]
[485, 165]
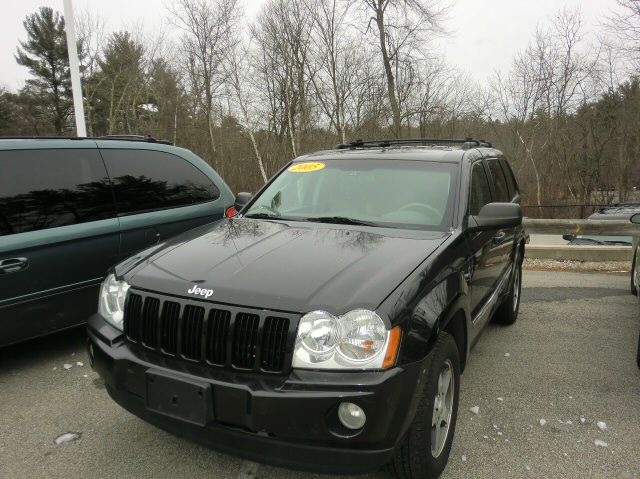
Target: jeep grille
[226, 336]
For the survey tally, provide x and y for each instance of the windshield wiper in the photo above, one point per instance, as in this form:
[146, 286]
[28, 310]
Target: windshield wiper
[271, 216]
[341, 220]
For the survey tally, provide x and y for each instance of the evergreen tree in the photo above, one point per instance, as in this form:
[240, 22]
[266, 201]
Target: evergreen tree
[45, 55]
[121, 85]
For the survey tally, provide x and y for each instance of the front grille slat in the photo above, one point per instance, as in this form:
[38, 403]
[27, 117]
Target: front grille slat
[192, 322]
[245, 340]
[169, 325]
[274, 339]
[196, 331]
[133, 313]
[217, 336]
[149, 332]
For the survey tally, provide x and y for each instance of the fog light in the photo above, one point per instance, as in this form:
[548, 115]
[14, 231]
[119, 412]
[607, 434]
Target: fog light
[351, 415]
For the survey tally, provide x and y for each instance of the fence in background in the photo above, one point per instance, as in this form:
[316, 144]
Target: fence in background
[582, 227]
[561, 211]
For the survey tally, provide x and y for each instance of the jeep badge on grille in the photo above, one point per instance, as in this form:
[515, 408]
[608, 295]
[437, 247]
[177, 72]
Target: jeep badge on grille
[200, 291]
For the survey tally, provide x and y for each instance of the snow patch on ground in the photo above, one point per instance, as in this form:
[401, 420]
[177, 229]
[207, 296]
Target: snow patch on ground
[600, 443]
[602, 425]
[67, 437]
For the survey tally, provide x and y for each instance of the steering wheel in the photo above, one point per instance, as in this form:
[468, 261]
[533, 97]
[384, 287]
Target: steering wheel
[430, 211]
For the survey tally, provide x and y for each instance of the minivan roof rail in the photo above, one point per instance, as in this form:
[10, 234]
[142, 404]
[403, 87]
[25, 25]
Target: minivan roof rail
[465, 143]
[145, 138]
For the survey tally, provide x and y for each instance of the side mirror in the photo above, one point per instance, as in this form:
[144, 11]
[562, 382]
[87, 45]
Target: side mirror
[241, 200]
[635, 219]
[496, 216]
[568, 237]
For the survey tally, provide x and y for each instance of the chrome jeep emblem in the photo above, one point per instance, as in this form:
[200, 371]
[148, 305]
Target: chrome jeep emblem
[200, 291]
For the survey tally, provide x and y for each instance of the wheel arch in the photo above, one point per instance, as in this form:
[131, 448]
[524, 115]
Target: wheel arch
[456, 326]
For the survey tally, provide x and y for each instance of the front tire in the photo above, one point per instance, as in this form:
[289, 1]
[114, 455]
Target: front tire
[425, 449]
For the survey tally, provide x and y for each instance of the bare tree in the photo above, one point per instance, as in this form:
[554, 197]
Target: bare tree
[92, 37]
[207, 26]
[282, 33]
[623, 26]
[335, 67]
[550, 79]
[402, 31]
[237, 71]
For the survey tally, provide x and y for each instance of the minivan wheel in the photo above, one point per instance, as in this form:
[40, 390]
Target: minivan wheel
[507, 312]
[425, 449]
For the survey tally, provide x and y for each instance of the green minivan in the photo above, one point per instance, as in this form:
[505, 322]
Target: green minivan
[71, 208]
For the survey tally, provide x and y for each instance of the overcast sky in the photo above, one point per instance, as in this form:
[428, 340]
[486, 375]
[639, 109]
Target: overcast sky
[484, 34]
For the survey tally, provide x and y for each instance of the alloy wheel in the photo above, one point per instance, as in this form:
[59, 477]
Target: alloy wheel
[442, 409]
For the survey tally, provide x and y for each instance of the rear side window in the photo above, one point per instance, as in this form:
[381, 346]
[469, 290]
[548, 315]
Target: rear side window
[480, 193]
[511, 181]
[146, 180]
[42, 189]
[499, 181]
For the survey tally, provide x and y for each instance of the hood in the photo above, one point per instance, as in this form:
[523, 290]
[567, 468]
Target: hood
[294, 267]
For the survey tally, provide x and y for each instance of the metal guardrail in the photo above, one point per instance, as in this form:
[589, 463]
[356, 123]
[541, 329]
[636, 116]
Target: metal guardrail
[584, 227]
[581, 227]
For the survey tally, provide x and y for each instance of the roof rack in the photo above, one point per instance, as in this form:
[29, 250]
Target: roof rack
[465, 143]
[145, 138]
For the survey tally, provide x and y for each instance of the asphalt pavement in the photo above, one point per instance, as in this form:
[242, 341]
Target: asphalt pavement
[542, 386]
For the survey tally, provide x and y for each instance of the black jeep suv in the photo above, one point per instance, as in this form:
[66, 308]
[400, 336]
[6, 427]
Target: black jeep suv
[324, 327]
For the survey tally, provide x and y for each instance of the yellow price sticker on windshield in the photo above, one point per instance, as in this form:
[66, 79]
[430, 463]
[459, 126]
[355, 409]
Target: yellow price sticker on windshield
[306, 167]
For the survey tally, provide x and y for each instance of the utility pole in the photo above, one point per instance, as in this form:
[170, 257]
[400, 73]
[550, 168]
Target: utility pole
[74, 67]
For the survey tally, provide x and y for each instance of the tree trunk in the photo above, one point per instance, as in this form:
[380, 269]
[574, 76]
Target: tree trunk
[391, 83]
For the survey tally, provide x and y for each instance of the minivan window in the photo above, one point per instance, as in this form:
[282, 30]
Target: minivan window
[42, 189]
[480, 193]
[499, 182]
[146, 180]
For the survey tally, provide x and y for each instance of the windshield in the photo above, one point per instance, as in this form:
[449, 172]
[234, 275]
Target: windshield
[392, 193]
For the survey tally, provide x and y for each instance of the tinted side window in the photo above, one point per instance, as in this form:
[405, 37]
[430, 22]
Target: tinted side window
[499, 182]
[480, 193]
[151, 180]
[42, 189]
[511, 181]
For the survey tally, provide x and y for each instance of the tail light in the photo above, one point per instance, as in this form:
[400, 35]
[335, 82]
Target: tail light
[230, 211]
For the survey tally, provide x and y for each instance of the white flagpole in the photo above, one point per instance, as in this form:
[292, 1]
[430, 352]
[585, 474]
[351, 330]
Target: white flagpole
[74, 67]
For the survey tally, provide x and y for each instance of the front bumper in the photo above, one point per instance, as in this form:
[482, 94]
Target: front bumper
[288, 420]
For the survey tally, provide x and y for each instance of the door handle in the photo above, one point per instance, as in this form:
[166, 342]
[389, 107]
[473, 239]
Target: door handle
[13, 265]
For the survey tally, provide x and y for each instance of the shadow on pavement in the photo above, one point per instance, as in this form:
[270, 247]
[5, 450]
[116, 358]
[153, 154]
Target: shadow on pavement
[45, 349]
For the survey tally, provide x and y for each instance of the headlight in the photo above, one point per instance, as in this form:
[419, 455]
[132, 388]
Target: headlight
[111, 303]
[355, 340]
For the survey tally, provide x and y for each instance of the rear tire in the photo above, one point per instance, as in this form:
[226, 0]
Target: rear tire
[638, 358]
[425, 449]
[634, 289]
[507, 312]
